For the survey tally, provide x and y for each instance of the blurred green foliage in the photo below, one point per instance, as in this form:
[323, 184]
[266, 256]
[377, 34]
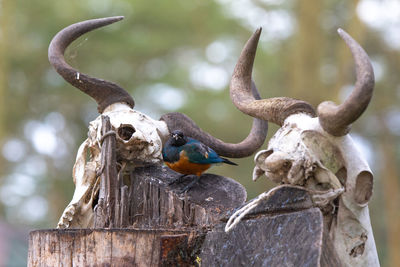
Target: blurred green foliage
[182, 50]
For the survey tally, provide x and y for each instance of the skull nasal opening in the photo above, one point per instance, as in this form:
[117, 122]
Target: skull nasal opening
[125, 132]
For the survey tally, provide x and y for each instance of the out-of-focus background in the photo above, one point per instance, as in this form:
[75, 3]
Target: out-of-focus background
[178, 55]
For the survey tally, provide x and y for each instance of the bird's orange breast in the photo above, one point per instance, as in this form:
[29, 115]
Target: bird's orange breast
[184, 166]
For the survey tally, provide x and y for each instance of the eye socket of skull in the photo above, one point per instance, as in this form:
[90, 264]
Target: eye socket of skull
[363, 188]
[126, 131]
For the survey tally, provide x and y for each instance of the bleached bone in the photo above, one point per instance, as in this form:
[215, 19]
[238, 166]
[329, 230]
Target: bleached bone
[138, 144]
[317, 153]
[139, 138]
[78, 212]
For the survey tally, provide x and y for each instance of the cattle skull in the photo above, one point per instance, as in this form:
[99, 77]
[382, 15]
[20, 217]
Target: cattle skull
[139, 137]
[315, 151]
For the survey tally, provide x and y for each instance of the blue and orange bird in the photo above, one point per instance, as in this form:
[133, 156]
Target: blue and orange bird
[189, 156]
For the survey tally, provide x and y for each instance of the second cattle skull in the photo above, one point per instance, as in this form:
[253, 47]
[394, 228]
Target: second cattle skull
[314, 150]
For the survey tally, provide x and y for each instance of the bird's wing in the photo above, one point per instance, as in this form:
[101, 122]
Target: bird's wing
[199, 153]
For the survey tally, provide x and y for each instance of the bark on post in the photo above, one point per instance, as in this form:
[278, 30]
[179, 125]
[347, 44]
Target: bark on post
[107, 209]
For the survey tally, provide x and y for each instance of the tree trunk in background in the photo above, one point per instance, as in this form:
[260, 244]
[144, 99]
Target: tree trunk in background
[388, 142]
[390, 181]
[307, 52]
[4, 15]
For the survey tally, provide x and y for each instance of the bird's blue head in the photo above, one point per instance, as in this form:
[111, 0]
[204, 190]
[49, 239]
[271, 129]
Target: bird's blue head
[178, 138]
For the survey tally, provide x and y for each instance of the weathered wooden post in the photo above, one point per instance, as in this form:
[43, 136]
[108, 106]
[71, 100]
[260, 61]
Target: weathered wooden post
[126, 212]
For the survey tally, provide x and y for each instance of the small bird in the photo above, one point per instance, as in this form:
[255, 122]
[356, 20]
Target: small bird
[189, 156]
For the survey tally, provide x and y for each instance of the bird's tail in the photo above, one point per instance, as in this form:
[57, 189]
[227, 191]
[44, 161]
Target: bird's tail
[227, 161]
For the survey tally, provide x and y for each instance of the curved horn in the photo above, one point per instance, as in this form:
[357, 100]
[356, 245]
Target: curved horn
[105, 93]
[335, 119]
[275, 109]
[255, 139]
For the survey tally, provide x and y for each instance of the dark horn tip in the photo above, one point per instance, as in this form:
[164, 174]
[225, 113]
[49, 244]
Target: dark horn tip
[345, 36]
[111, 20]
[118, 18]
[257, 33]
